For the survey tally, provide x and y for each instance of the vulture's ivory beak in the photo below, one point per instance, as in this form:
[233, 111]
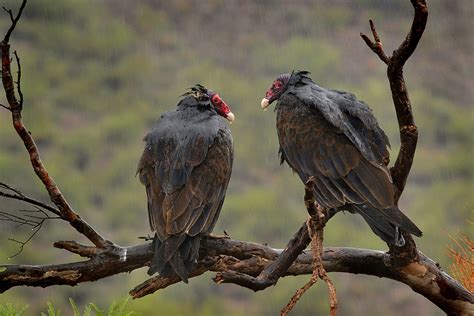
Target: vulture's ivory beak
[230, 117]
[265, 103]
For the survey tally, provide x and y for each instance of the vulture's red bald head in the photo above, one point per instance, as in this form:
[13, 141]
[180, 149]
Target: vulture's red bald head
[220, 106]
[207, 96]
[275, 91]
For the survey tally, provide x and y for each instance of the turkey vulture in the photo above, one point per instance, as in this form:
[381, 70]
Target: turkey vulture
[332, 136]
[185, 167]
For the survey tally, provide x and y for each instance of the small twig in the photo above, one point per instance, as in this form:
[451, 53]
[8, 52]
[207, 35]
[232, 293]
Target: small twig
[10, 13]
[21, 197]
[13, 20]
[376, 46]
[16, 219]
[10, 188]
[5, 107]
[39, 217]
[314, 276]
[23, 243]
[39, 210]
[317, 253]
[36, 222]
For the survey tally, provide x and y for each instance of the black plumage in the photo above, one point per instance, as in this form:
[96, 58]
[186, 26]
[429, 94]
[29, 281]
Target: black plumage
[186, 167]
[332, 136]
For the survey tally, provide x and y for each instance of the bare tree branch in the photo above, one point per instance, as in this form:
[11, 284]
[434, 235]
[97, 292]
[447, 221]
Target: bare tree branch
[36, 229]
[406, 122]
[223, 254]
[77, 248]
[13, 20]
[376, 46]
[67, 213]
[5, 107]
[395, 63]
[10, 188]
[17, 195]
[276, 269]
[24, 217]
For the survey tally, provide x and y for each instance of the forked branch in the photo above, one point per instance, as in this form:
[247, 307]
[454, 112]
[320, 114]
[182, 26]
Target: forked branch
[408, 130]
[16, 106]
[401, 101]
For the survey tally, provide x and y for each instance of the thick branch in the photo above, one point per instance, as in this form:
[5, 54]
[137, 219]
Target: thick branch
[67, 213]
[424, 277]
[275, 270]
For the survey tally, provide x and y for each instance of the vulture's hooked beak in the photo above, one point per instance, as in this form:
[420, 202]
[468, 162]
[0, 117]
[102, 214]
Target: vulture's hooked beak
[265, 103]
[230, 117]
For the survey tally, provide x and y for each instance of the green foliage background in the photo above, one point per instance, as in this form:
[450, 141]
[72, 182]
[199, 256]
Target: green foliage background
[97, 74]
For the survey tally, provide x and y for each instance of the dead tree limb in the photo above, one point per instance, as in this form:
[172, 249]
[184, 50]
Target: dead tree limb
[9, 192]
[16, 107]
[395, 63]
[221, 254]
[408, 129]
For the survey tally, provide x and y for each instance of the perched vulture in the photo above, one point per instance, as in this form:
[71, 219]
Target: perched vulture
[185, 167]
[332, 136]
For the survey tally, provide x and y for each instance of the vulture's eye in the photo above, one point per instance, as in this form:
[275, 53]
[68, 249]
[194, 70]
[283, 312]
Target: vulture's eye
[216, 100]
[277, 85]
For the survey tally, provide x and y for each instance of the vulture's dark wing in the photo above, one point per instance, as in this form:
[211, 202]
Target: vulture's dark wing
[186, 168]
[348, 115]
[330, 135]
[314, 146]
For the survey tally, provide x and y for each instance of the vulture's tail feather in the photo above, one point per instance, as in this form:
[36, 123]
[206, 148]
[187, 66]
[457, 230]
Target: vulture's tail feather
[388, 223]
[177, 255]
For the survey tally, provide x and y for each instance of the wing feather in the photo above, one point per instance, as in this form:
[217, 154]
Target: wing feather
[313, 146]
[185, 177]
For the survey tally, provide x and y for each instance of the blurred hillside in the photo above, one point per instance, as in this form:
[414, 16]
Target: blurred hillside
[97, 75]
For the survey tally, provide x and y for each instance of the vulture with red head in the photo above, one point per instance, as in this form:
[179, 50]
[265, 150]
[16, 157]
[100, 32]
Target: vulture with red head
[186, 167]
[335, 138]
